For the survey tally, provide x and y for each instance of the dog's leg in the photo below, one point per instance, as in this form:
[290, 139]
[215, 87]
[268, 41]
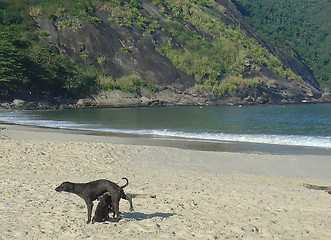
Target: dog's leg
[129, 199]
[116, 206]
[89, 205]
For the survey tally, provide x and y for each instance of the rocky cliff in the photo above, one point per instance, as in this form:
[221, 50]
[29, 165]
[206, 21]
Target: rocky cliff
[129, 50]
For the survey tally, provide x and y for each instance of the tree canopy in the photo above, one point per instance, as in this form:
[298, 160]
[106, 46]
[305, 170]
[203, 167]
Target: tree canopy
[301, 25]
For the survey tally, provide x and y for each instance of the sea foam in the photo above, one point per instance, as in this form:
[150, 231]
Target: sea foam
[289, 140]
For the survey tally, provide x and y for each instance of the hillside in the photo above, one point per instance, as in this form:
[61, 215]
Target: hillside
[159, 52]
[301, 27]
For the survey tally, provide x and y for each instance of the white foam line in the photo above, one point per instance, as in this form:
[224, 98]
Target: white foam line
[291, 140]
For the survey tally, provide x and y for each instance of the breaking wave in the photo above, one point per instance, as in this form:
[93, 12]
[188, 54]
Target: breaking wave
[289, 140]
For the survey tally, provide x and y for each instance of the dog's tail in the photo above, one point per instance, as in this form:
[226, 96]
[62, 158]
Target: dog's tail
[127, 182]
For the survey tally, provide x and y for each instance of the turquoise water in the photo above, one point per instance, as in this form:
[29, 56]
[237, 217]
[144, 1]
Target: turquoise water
[294, 125]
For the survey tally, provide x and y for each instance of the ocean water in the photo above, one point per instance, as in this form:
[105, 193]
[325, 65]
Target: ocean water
[304, 125]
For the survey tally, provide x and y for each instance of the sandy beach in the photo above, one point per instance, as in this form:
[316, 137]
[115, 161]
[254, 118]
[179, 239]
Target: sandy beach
[199, 194]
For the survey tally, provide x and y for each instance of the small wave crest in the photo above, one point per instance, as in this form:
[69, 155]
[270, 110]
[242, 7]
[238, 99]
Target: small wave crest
[290, 140]
[32, 120]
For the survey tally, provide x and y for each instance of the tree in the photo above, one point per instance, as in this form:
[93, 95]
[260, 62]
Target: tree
[11, 71]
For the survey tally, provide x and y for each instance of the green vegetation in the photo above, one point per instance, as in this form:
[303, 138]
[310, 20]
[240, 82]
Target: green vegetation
[232, 84]
[211, 49]
[130, 83]
[198, 42]
[70, 13]
[302, 25]
[28, 65]
[207, 49]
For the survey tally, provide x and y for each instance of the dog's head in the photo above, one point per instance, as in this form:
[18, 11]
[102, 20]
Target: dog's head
[65, 186]
[106, 197]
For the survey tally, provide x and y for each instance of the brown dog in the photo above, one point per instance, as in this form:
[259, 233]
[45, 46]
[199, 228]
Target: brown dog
[90, 191]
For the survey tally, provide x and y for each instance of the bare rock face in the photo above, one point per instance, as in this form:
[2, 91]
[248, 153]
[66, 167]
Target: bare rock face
[123, 51]
[117, 99]
[118, 51]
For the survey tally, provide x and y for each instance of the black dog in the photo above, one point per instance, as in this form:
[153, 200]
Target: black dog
[90, 191]
[103, 209]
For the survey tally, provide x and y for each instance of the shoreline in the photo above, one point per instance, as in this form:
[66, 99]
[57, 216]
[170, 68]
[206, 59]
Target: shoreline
[135, 102]
[191, 144]
[198, 194]
[247, 158]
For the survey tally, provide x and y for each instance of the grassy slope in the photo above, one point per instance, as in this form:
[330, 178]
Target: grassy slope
[201, 44]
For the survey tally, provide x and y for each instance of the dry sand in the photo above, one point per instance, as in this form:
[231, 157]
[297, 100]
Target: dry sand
[199, 194]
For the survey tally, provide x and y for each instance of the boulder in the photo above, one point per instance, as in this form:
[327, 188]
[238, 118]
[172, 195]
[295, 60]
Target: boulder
[248, 99]
[326, 95]
[117, 98]
[86, 102]
[5, 105]
[18, 103]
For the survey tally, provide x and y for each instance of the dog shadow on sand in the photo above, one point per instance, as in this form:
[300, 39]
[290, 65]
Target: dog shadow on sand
[137, 216]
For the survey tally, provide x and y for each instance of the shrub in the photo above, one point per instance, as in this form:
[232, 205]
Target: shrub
[102, 60]
[125, 49]
[34, 11]
[230, 85]
[93, 20]
[107, 83]
[130, 83]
